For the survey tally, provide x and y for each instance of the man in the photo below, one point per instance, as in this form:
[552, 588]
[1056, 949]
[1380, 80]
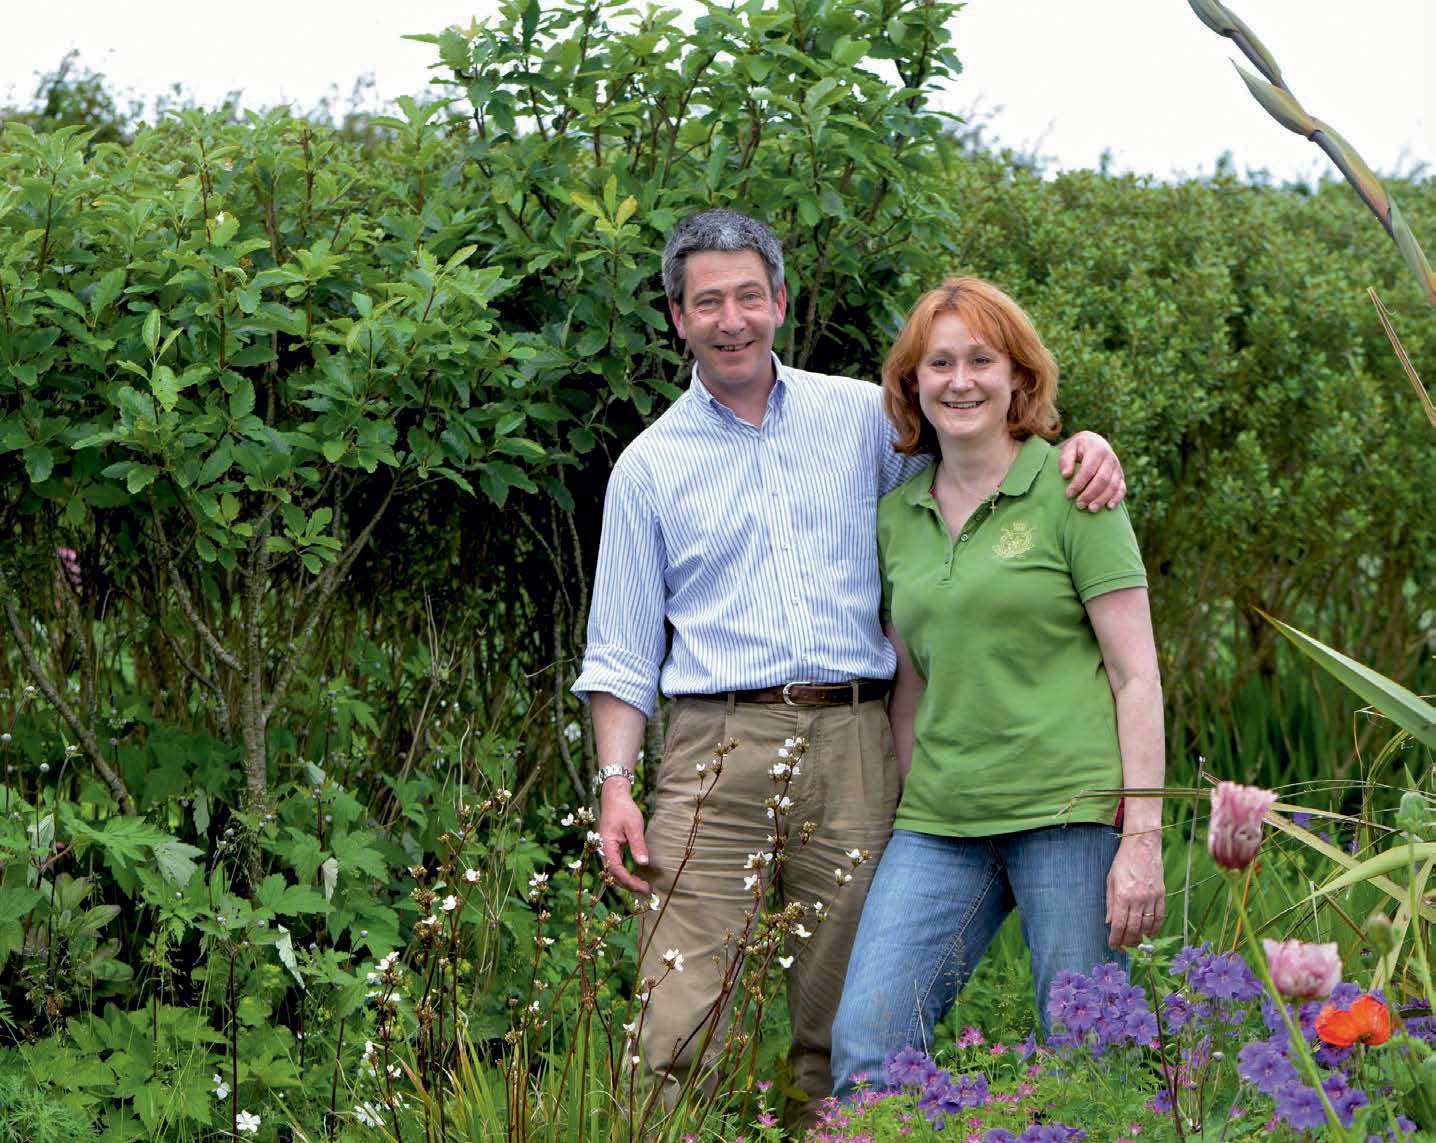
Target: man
[743, 521]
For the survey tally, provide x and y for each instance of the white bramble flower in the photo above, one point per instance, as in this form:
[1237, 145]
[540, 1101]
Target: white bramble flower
[545, 941]
[631, 1029]
[472, 876]
[247, 1123]
[820, 909]
[802, 932]
[782, 752]
[702, 767]
[842, 876]
[538, 880]
[750, 881]
[779, 771]
[790, 742]
[571, 732]
[634, 1060]
[221, 1089]
[673, 959]
[785, 961]
[584, 816]
[567, 820]
[576, 864]
[369, 1115]
[653, 902]
[449, 903]
[758, 860]
[431, 919]
[856, 856]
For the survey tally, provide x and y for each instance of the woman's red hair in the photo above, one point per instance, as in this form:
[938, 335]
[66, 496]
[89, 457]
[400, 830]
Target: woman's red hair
[993, 318]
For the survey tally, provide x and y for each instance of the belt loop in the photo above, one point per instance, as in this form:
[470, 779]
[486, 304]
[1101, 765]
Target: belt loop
[732, 701]
[855, 685]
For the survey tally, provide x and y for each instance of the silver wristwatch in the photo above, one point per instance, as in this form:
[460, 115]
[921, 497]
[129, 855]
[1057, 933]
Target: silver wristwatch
[614, 770]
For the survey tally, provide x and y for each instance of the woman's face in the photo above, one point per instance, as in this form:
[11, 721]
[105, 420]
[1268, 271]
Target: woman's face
[964, 386]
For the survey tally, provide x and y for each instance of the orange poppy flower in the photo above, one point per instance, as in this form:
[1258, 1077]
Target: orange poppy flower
[1367, 1022]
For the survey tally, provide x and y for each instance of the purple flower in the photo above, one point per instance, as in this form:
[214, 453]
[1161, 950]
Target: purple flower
[1226, 977]
[1176, 1011]
[1301, 818]
[908, 1067]
[1081, 1012]
[1263, 1064]
[1188, 957]
[999, 1135]
[1161, 1103]
[940, 1099]
[1300, 1106]
[1344, 995]
[1345, 1099]
[1141, 1028]
[972, 1090]
[1110, 977]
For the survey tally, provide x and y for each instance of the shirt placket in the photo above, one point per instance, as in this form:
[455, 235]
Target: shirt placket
[787, 552]
[963, 541]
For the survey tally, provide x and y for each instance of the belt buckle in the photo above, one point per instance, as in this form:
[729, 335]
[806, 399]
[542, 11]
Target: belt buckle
[787, 700]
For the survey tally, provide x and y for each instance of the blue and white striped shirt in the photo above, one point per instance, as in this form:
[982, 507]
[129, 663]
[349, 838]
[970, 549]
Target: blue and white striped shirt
[757, 544]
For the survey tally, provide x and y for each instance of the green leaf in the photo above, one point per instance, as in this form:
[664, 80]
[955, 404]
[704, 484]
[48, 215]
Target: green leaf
[1409, 711]
[284, 946]
[151, 330]
[107, 289]
[39, 463]
[847, 52]
[141, 476]
[1397, 857]
[334, 449]
[241, 400]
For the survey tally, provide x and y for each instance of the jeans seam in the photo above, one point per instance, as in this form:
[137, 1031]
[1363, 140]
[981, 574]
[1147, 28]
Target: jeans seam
[915, 1025]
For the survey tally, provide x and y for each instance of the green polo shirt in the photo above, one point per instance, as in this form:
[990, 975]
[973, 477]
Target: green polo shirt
[1017, 716]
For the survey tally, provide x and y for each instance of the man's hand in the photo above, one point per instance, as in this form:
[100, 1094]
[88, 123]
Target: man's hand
[1098, 483]
[620, 824]
[1136, 894]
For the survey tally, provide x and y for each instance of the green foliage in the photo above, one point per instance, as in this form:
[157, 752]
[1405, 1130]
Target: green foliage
[323, 422]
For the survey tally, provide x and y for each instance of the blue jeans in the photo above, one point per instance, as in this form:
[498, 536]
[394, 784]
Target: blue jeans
[934, 907]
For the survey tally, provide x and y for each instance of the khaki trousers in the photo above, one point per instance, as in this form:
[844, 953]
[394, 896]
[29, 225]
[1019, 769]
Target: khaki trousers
[847, 787]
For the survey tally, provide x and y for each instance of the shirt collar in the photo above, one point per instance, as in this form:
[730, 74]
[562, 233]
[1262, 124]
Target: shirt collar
[1018, 482]
[776, 398]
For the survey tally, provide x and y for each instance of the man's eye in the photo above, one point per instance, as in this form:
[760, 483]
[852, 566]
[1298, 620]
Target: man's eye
[752, 299]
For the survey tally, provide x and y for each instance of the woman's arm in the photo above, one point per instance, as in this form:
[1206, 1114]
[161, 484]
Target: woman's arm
[902, 707]
[1136, 897]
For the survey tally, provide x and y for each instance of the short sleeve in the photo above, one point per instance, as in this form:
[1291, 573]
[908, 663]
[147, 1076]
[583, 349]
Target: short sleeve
[1102, 551]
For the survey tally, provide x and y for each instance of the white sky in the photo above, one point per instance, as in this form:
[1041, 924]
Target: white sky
[1069, 79]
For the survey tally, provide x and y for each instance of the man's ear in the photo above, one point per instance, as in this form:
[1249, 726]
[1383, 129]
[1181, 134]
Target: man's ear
[780, 303]
[675, 311]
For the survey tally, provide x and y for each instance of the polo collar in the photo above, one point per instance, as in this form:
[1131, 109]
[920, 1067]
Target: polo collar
[1021, 474]
[1025, 467]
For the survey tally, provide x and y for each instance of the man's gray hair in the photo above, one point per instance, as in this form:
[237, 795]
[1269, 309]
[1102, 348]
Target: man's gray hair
[719, 229]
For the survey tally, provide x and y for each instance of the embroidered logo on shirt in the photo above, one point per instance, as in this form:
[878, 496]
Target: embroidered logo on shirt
[1016, 540]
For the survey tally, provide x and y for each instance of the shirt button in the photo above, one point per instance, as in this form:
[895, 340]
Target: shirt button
[964, 537]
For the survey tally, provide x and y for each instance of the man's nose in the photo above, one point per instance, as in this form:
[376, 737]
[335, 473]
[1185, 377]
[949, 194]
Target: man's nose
[731, 315]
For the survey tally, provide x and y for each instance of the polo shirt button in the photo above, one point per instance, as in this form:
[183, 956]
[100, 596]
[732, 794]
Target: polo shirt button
[964, 537]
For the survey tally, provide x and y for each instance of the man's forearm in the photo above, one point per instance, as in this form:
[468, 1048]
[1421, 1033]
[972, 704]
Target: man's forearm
[618, 729]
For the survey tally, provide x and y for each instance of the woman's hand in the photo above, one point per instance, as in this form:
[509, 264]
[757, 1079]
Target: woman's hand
[1136, 892]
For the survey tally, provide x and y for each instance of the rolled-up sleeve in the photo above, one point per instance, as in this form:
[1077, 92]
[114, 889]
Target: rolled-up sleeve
[625, 649]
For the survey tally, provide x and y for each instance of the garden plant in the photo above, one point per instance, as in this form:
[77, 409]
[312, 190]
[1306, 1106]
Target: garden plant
[304, 430]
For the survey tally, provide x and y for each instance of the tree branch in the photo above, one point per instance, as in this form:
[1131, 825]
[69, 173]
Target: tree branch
[218, 649]
[88, 742]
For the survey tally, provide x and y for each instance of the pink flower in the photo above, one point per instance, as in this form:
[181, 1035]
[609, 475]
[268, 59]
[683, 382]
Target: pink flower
[1234, 834]
[1303, 971]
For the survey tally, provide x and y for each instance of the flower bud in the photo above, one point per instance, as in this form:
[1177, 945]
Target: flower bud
[1234, 835]
[1379, 934]
[1303, 971]
[1412, 814]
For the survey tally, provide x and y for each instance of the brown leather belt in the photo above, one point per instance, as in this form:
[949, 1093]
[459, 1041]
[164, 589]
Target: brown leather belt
[809, 694]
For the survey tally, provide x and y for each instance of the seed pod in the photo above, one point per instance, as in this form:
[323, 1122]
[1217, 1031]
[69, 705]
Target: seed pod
[1280, 105]
[1379, 934]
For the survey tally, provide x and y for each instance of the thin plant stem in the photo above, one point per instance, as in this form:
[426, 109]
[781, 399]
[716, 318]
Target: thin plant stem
[1298, 1042]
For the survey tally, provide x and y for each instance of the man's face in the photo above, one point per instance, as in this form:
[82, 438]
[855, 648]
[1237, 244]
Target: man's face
[728, 316]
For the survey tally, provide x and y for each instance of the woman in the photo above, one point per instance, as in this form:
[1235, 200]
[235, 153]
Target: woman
[1027, 677]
